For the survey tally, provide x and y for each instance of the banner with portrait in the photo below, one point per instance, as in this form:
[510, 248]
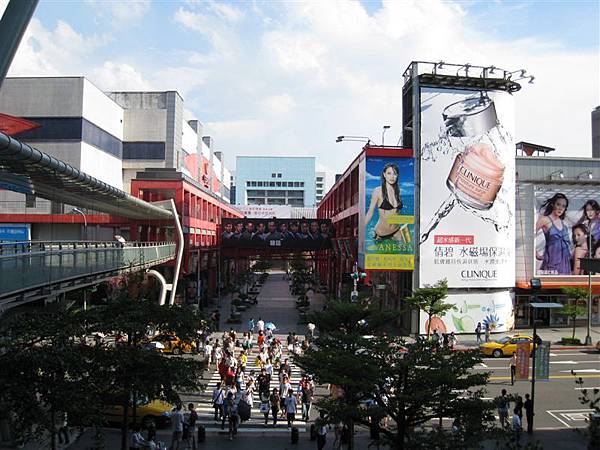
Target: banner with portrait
[567, 221]
[292, 234]
[389, 219]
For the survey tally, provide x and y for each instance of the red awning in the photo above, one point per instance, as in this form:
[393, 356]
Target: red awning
[14, 125]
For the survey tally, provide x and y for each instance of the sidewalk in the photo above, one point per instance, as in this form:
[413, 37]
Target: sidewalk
[554, 335]
[565, 439]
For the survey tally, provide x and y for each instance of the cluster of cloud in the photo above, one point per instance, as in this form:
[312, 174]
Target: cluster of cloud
[286, 78]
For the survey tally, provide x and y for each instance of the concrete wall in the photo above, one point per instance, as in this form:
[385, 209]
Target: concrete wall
[47, 97]
[101, 165]
[101, 110]
[145, 125]
[189, 139]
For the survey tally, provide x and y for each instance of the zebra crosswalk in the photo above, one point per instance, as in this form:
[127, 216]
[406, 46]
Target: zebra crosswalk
[256, 423]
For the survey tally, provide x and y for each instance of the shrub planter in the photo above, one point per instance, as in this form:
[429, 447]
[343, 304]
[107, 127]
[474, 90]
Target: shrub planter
[570, 341]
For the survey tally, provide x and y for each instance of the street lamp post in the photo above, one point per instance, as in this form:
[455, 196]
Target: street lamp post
[77, 210]
[588, 337]
[535, 344]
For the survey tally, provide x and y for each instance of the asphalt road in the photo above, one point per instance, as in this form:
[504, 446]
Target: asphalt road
[556, 400]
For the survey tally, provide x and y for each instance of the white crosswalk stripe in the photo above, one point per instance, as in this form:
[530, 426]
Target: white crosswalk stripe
[203, 400]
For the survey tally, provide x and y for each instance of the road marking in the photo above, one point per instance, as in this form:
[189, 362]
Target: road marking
[553, 376]
[570, 415]
[582, 371]
[587, 388]
[574, 362]
[484, 365]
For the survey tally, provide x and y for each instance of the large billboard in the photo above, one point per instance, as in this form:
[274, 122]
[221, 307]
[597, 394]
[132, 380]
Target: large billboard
[293, 234]
[389, 213]
[565, 217]
[467, 193]
[493, 309]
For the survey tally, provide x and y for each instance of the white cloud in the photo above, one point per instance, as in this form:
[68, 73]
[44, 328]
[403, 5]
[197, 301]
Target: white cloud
[122, 11]
[115, 76]
[278, 105]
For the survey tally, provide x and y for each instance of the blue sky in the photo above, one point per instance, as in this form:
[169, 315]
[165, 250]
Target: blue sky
[269, 77]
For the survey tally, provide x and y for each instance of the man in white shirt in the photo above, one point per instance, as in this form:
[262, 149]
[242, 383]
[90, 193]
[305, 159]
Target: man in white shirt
[260, 325]
[290, 407]
[177, 419]
[218, 396]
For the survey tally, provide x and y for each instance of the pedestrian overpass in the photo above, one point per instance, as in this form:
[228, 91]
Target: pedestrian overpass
[33, 270]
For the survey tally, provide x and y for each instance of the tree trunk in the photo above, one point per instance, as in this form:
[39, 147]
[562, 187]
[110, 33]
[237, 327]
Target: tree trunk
[52, 429]
[574, 325]
[351, 434]
[124, 424]
[428, 325]
[134, 415]
[401, 432]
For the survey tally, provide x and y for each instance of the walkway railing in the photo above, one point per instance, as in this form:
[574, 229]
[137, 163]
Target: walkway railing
[30, 265]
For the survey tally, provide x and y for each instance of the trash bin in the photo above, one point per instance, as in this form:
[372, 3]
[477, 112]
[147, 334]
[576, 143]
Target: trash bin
[295, 435]
[201, 433]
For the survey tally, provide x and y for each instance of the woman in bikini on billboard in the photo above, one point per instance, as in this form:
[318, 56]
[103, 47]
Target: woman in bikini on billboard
[386, 199]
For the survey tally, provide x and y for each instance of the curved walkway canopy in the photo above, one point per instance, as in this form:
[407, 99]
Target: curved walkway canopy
[30, 171]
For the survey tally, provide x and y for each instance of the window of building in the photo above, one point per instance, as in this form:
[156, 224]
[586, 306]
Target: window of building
[273, 175]
[278, 184]
[253, 183]
[302, 184]
[319, 179]
[272, 184]
[296, 184]
[260, 183]
[29, 201]
[278, 175]
[247, 183]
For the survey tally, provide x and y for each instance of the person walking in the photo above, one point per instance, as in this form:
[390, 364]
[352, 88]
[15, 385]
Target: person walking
[321, 427]
[478, 332]
[488, 332]
[218, 397]
[503, 403]
[260, 325]
[251, 324]
[452, 340]
[528, 405]
[513, 368]
[435, 338]
[192, 427]
[306, 397]
[177, 421]
[290, 408]
[274, 401]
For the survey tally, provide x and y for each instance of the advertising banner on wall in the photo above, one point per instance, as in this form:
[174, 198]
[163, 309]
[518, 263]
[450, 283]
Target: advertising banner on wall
[266, 211]
[565, 217]
[389, 213]
[489, 308]
[522, 361]
[467, 192]
[309, 234]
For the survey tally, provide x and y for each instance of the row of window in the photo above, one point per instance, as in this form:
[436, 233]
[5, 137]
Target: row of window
[278, 194]
[275, 183]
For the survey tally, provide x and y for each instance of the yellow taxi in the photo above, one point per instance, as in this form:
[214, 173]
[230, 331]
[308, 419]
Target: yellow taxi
[172, 344]
[148, 412]
[506, 346]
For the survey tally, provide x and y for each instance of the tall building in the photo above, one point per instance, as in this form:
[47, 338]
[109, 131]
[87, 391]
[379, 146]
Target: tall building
[596, 132]
[232, 188]
[110, 136]
[319, 186]
[275, 180]
[158, 132]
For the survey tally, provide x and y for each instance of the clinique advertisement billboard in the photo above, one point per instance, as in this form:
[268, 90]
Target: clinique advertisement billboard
[467, 188]
[492, 309]
[303, 234]
[389, 217]
[565, 219]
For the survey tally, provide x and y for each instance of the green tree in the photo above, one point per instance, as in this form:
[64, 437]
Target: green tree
[575, 309]
[46, 374]
[337, 357]
[430, 300]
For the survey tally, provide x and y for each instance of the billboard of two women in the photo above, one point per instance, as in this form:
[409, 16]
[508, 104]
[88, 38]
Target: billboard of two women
[389, 213]
[567, 228]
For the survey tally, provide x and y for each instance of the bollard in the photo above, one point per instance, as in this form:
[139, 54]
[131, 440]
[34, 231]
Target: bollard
[201, 433]
[295, 435]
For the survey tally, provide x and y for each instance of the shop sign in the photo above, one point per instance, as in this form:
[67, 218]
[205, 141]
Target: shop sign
[467, 188]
